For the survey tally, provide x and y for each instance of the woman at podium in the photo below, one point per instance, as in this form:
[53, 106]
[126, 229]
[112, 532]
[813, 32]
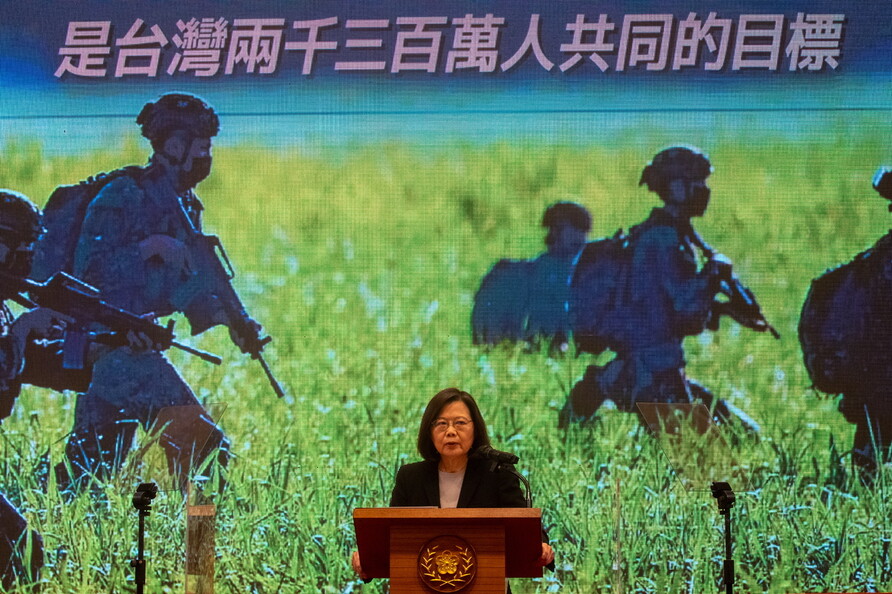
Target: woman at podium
[453, 473]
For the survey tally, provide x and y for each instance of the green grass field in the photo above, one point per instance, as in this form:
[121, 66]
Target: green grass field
[362, 264]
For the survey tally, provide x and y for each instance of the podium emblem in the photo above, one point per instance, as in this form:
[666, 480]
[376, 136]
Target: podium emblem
[447, 564]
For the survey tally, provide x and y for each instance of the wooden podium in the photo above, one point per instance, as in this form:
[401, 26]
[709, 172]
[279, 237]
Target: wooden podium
[415, 546]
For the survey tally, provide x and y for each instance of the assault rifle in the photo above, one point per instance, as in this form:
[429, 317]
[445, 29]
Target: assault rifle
[739, 303]
[207, 259]
[76, 299]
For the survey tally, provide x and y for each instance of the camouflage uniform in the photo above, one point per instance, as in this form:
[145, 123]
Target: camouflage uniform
[668, 293]
[846, 334]
[12, 362]
[547, 294]
[40, 364]
[131, 387]
[668, 297]
[865, 401]
[16, 214]
[527, 299]
[14, 532]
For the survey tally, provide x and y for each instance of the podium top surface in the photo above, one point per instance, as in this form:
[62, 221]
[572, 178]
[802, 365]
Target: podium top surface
[494, 514]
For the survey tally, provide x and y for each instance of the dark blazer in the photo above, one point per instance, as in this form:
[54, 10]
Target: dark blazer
[418, 484]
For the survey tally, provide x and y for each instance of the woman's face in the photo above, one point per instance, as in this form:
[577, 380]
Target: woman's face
[453, 431]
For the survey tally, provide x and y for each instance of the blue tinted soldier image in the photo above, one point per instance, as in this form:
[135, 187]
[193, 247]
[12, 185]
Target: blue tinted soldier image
[667, 292]
[845, 331]
[526, 300]
[21, 550]
[135, 246]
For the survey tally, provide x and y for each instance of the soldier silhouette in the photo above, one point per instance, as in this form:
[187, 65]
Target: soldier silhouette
[25, 355]
[845, 331]
[134, 246]
[526, 300]
[664, 286]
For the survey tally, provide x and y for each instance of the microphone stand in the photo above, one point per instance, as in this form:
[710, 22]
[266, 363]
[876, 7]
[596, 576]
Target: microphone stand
[142, 501]
[725, 499]
[496, 462]
[526, 484]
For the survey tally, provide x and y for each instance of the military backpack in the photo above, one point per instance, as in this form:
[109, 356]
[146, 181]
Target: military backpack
[845, 328]
[63, 217]
[598, 289]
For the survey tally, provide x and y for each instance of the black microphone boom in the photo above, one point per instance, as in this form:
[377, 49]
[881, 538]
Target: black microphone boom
[500, 457]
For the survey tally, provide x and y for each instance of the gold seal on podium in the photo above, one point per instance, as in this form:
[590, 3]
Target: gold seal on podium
[447, 564]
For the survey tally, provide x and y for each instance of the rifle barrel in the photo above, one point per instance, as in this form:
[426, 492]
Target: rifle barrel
[277, 388]
[203, 355]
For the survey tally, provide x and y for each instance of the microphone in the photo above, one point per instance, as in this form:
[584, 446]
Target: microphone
[497, 456]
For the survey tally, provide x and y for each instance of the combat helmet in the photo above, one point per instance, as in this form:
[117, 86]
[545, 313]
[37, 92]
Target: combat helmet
[882, 183]
[673, 163]
[177, 111]
[19, 218]
[571, 213]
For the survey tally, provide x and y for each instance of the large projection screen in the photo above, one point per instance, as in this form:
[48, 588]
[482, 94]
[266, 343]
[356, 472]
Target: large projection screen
[374, 161]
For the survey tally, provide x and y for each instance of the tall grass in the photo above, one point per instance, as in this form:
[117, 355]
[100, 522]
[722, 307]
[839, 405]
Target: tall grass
[362, 264]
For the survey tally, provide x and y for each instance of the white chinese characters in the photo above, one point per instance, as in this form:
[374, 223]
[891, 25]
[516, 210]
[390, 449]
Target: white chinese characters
[589, 44]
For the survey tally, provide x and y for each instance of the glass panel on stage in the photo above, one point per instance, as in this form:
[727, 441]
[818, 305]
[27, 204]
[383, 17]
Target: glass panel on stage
[188, 468]
[700, 451]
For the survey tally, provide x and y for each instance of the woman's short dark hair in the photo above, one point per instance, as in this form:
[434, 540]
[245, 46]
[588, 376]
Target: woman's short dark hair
[432, 412]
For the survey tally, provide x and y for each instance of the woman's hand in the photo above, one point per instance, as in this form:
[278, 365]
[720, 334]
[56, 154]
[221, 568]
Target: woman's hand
[358, 568]
[547, 554]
